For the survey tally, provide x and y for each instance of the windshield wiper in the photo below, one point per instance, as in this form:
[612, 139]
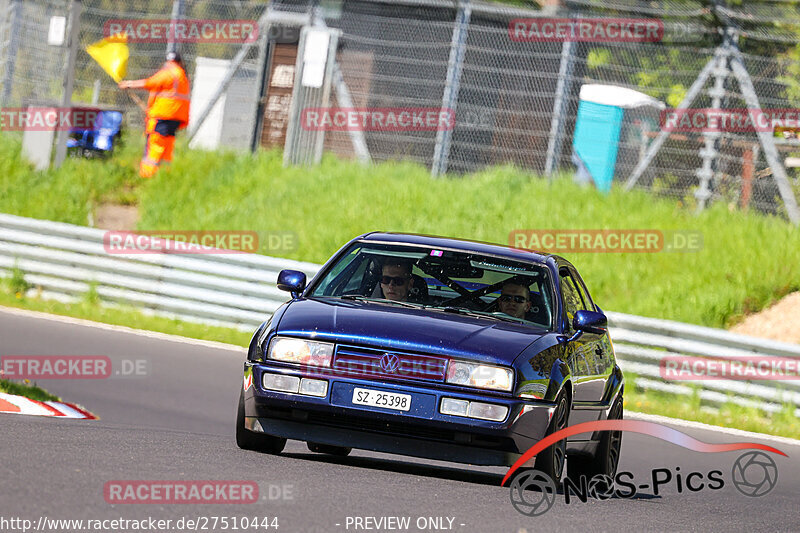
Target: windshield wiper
[361, 298]
[481, 314]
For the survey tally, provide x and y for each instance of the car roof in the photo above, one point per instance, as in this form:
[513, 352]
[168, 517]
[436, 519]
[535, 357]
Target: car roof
[459, 244]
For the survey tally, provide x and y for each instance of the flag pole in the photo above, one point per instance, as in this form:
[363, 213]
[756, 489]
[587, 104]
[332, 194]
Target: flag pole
[138, 101]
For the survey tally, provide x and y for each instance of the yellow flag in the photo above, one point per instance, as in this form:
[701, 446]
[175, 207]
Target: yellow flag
[112, 54]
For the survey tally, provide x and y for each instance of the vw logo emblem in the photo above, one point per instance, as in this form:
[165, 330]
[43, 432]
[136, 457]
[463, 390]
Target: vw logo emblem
[390, 363]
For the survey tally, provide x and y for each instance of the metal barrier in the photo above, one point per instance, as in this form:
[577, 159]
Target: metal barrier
[64, 261]
[641, 344]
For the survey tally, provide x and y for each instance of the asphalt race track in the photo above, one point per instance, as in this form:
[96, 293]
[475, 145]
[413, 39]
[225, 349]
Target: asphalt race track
[176, 422]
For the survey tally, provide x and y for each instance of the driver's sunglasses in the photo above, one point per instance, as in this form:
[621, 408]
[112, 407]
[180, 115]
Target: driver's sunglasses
[515, 297]
[394, 280]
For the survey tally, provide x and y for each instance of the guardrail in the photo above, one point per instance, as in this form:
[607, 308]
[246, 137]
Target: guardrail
[63, 261]
[229, 289]
[642, 343]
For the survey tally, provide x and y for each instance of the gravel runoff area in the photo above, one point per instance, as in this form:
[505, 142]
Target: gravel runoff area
[780, 322]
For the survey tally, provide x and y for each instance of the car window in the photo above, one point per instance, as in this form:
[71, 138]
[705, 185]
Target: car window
[587, 300]
[573, 301]
[465, 280]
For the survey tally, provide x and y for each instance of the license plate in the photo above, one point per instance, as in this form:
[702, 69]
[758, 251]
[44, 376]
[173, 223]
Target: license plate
[387, 400]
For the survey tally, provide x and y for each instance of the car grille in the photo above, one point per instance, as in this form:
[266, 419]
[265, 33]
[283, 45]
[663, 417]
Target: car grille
[367, 361]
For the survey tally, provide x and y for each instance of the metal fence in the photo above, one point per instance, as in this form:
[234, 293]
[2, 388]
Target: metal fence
[63, 261]
[32, 70]
[515, 102]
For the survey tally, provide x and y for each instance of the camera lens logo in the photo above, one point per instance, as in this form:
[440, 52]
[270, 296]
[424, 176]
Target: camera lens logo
[755, 474]
[601, 487]
[533, 493]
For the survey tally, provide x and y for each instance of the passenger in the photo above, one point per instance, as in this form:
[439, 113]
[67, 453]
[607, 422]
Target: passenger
[515, 299]
[396, 280]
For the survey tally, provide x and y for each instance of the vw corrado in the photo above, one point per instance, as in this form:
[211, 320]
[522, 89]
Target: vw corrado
[438, 348]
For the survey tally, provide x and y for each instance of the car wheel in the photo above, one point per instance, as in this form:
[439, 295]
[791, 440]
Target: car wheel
[339, 451]
[248, 440]
[551, 460]
[606, 460]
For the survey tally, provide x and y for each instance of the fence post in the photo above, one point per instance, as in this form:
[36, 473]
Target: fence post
[710, 152]
[563, 86]
[69, 76]
[178, 13]
[303, 146]
[766, 138]
[441, 152]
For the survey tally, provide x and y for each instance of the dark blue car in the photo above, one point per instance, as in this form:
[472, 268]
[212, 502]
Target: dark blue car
[438, 348]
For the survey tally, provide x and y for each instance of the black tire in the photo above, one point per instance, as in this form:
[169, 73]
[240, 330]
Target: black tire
[339, 451]
[606, 460]
[551, 460]
[248, 440]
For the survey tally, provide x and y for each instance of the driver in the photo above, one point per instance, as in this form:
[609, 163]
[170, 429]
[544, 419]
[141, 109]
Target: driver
[515, 299]
[396, 280]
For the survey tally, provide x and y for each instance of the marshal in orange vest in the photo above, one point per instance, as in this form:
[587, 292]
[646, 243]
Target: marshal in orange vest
[167, 111]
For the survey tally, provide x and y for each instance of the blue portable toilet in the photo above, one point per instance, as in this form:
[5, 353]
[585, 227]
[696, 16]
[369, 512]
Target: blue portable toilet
[611, 119]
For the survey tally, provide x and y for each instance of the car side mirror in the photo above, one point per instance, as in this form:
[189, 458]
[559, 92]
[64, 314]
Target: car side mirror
[588, 322]
[292, 281]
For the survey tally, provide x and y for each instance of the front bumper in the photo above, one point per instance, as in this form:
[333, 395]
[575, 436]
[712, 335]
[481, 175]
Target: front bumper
[421, 432]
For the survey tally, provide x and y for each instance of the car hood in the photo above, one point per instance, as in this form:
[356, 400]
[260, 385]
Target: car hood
[387, 326]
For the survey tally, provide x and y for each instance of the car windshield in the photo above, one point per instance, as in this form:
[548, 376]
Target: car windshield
[442, 280]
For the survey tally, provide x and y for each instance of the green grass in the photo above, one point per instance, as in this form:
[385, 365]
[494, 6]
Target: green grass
[67, 194]
[28, 390]
[748, 261]
[783, 423]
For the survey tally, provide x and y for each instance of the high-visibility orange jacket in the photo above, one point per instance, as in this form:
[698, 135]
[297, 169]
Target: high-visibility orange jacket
[169, 94]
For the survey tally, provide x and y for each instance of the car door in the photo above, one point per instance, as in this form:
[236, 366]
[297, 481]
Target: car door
[600, 358]
[585, 353]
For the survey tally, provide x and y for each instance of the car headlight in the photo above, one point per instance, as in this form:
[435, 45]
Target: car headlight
[300, 351]
[482, 376]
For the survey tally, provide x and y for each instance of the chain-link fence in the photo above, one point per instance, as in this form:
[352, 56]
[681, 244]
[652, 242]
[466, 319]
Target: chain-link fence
[33, 70]
[516, 101]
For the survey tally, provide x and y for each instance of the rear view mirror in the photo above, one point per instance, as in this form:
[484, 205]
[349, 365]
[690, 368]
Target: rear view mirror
[451, 269]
